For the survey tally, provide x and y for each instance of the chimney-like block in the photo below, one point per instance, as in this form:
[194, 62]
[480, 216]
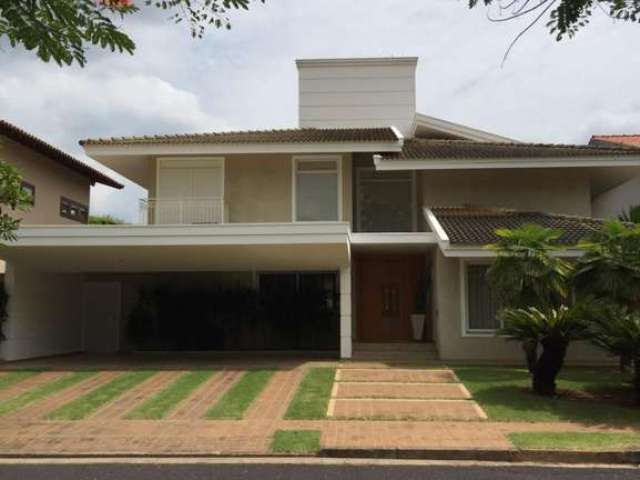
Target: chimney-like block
[357, 92]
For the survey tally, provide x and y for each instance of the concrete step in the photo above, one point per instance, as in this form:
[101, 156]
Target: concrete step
[404, 357]
[394, 347]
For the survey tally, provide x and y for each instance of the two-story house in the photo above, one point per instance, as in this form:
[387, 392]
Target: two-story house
[384, 209]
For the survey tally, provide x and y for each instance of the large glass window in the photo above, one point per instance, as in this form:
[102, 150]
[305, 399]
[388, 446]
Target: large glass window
[482, 308]
[316, 190]
[384, 200]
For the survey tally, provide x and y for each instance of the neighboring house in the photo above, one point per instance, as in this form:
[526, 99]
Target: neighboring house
[382, 208]
[58, 183]
[610, 204]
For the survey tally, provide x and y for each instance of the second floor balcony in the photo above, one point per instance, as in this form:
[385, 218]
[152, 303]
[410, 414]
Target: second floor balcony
[183, 211]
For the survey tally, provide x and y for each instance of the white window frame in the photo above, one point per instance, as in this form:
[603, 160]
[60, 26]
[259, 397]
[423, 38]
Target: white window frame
[467, 331]
[295, 160]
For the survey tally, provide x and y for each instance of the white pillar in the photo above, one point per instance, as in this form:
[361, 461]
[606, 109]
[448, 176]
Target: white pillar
[345, 312]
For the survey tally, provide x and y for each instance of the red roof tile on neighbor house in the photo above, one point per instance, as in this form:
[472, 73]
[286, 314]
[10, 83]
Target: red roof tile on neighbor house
[611, 140]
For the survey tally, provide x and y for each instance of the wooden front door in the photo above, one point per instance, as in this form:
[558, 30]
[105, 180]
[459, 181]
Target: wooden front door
[386, 289]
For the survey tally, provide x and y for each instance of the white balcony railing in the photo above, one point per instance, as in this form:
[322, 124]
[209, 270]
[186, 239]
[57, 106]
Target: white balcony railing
[182, 211]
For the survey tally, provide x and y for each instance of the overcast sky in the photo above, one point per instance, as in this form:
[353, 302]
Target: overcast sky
[246, 78]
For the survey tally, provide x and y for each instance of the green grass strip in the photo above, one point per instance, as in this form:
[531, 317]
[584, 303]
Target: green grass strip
[235, 402]
[312, 398]
[296, 441]
[16, 376]
[163, 402]
[589, 441]
[85, 405]
[42, 391]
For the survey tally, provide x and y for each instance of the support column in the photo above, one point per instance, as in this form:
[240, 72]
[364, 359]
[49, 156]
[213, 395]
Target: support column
[345, 313]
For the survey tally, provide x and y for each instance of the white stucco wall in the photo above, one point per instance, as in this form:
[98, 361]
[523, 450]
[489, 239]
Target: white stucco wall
[45, 314]
[374, 92]
[610, 204]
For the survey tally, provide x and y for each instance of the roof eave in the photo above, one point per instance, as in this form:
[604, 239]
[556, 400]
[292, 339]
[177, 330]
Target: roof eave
[159, 148]
[391, 164]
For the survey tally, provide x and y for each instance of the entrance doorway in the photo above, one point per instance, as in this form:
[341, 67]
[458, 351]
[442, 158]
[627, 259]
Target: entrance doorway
[386, 289]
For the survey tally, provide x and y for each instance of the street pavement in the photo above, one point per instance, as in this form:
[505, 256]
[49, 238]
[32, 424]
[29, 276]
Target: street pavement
[118, 470]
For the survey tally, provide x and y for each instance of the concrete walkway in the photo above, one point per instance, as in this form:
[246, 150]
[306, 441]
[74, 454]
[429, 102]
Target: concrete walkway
[398, 393]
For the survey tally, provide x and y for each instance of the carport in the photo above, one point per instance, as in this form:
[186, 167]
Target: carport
[75, 288]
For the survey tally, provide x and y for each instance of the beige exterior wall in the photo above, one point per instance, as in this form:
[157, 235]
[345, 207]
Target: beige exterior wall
[257, 188]
[453, 345]
[51, 180]
[549, 190]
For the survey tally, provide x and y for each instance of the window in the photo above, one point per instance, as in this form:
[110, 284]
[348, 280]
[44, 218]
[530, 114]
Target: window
[30, 190]
[385, 201]
[316, 189]
[481, 306]
[73, 210]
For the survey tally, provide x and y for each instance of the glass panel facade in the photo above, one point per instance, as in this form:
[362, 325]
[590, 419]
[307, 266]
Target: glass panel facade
[384, 201]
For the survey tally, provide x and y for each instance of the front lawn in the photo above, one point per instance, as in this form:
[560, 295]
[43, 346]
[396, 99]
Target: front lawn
[312, 398]
[10, 378]
[586, 395]
[159, 406]
[296, 441]
[589, 441]
[87, 404]
[38, 393]
[237, 400]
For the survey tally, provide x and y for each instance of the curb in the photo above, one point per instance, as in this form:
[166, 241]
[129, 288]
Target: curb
[515, 456]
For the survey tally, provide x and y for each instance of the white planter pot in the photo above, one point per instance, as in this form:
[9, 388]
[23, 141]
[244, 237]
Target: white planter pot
[417, 324]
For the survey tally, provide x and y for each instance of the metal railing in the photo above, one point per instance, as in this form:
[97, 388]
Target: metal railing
[182, 211]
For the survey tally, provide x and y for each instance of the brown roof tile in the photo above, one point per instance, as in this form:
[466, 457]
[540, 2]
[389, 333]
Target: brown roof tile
[477, 225]
[297, 135]
[21, 136]
[431, 149]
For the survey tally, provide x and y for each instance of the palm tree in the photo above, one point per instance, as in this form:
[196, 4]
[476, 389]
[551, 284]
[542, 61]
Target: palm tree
[630, 215]
[527, 274]
[554, 329]
[610, 267]
[617, 331]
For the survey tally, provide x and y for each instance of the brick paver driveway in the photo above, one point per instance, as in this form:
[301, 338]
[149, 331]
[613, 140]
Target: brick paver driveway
[371, 406]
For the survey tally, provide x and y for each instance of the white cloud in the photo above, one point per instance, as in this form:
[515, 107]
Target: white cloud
[246, 77]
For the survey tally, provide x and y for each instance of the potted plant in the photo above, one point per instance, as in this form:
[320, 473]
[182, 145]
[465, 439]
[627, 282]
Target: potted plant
[420, 308]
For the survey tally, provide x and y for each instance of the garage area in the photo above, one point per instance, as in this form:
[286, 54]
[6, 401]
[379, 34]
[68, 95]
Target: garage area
[122, 289]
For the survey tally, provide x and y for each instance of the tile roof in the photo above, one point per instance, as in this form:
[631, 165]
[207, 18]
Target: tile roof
[34, 143]
[427, 149]
[616, 140]
[294, 135]
[477, 225]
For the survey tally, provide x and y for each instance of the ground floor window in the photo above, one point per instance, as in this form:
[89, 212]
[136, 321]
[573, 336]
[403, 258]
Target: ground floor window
[481, 306]
[286, 311]
[303, 308]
